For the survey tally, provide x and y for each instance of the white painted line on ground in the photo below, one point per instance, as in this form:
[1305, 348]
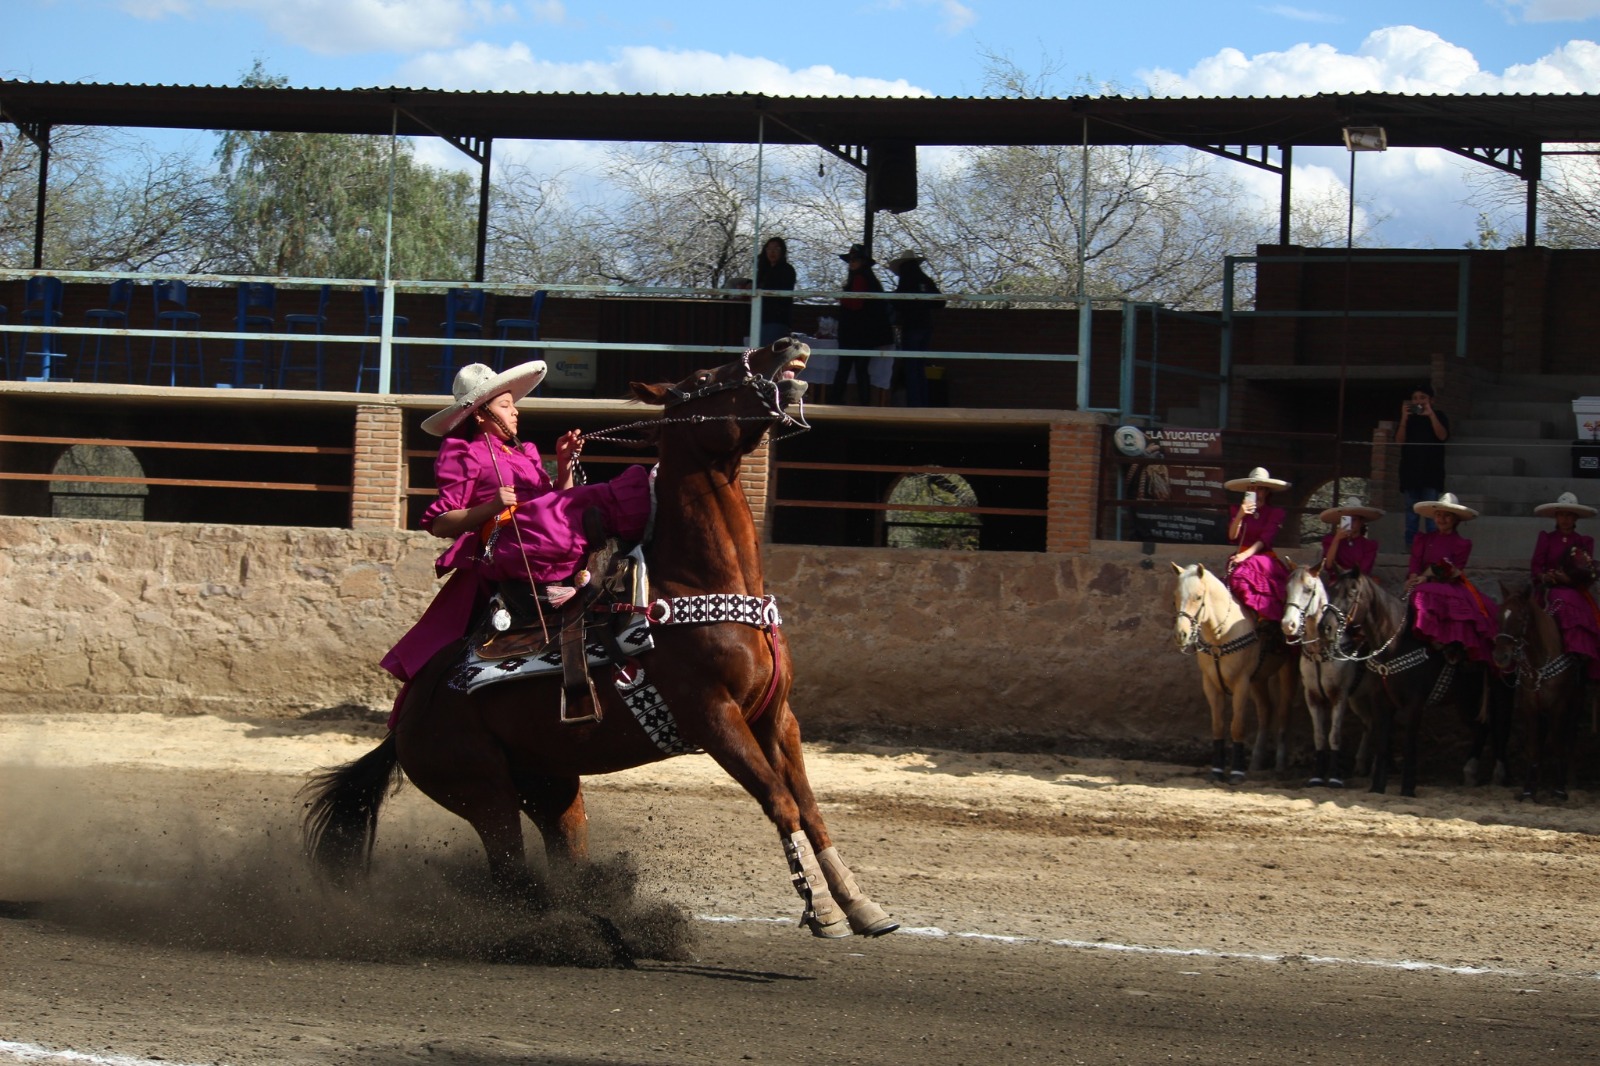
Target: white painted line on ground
[934, 932]
[34, 1055]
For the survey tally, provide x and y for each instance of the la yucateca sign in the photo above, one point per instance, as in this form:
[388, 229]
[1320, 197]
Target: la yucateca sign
[1175, 471]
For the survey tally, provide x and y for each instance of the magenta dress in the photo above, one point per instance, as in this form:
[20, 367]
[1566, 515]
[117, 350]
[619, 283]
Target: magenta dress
[1573, 608]
[1355, 553]
[1452, 612]
[547, 541]
[1261, 582]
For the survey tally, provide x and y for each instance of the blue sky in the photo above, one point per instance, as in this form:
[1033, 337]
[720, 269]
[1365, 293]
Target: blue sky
[850, 47]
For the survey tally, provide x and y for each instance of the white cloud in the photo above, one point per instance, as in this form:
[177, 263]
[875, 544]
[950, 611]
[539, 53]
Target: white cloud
[1553, 10]
[1300, 14]
[551, 11]
[957, 17]
[636, 70]
[342, 27]
[1402, 59]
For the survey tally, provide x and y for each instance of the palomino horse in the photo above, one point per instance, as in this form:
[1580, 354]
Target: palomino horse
[1234, 666]
[1411, 673]
[1332, 684]
[1549, 687]
[720, 672]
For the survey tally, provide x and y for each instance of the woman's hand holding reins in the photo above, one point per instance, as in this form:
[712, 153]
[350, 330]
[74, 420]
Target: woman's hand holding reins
[568, 447]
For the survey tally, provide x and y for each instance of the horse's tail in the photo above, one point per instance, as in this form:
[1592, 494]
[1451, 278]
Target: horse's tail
[341, 818]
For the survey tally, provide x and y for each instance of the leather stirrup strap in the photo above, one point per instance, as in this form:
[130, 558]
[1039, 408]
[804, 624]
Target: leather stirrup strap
[577, 687]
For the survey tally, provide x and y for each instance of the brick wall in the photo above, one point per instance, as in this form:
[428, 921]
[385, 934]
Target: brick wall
[377, 498]
[1074, 486]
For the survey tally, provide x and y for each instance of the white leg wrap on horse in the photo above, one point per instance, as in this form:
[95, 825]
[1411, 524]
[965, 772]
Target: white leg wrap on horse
[866, 917]
[822, 912]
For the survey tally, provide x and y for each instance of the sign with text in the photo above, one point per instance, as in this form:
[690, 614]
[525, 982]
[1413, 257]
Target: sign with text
[1190, 445]
[1178, 527]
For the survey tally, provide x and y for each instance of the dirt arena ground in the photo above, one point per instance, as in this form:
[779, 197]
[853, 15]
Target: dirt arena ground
[1056, 910]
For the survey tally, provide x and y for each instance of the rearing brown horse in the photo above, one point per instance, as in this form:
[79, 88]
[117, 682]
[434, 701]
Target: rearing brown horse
[501, 751]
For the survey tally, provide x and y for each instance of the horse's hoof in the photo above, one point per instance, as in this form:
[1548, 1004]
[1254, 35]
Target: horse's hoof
[1559, 794]
[1525, 795]
[1335, 782]
[834, 930]
[869, 919]
[1236, 777]
[1218, 774]
[1315, 782]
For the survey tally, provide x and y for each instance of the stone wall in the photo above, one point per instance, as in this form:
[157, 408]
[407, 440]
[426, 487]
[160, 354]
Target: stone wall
[1055, 651]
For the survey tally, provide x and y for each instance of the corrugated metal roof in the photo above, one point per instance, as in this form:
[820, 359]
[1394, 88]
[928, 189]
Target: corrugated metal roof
[1478, 121]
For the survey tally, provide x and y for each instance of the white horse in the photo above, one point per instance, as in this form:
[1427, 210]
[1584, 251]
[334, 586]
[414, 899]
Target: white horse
[1234, 666]
[1333, 683]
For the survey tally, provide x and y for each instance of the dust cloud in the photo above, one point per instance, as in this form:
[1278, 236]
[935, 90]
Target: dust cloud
[219, 868]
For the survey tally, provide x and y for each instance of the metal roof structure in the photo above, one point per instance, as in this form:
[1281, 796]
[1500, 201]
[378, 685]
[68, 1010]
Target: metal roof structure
[1509, 132]
[1411, 121]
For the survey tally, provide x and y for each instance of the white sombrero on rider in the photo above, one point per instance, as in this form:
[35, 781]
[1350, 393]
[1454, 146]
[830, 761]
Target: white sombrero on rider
[1566, 503]
[477, 384]
[905, 259]
[1445, 504]
[1352, 506]
[1257, 480]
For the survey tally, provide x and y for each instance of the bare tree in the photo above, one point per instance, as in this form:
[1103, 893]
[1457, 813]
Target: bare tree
[112, 203]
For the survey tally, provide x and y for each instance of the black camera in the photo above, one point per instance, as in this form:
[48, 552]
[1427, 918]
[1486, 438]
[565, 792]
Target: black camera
[1417, 409]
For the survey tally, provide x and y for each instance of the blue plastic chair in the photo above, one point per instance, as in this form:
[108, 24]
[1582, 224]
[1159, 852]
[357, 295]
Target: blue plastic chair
[176, 317]
[43, 308]
[114, 315]
[400, 373]
[458, 303]
[313, 324]
[504, 327]
[258, 300]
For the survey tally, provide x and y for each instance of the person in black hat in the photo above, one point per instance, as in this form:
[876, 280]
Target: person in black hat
[864, 325]
[914, 320]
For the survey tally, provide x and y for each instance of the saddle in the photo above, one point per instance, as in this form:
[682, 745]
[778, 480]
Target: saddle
[524, 622]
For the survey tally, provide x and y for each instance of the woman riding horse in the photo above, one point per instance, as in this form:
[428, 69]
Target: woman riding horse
[1348, 547]
[1256, 575]
[1449, 609]
[506, 518]
[1564, 571]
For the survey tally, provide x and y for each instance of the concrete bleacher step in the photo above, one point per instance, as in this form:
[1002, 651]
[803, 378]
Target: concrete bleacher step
[1498, 464]
[1535, 458]
[1500, 428]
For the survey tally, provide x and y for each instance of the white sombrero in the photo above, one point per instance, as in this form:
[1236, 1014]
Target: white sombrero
[1257, 479]
[476, 385]
[1446, 503]
[1352, 506]
[905, 259]
[1565, 502]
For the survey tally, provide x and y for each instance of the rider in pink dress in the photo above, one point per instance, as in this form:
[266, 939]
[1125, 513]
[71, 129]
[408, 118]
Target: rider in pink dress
[1563, 568]
[1450, 609]
[506, 518]
[1348, 547]
[1258, 578]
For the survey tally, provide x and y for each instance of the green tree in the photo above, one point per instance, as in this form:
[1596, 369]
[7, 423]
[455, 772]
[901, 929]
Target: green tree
[315, 204]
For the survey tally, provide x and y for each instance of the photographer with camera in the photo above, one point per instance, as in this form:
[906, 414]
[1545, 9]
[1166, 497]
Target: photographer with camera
[1421, 434]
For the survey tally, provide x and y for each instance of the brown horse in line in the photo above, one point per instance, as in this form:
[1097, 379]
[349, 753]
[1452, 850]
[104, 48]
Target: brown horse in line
[1549, 687]
[492, 755]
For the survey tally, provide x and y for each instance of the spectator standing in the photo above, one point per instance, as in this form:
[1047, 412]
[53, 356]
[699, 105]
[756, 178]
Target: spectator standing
[864, 324]
[914, 323]
[1421, 434]
[774, 271]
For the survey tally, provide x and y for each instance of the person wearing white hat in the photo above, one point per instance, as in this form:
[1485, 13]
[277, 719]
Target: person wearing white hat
[1348, 547]
[1563, 569]
[507, 518]
[1258, 577]
[1450, 609]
